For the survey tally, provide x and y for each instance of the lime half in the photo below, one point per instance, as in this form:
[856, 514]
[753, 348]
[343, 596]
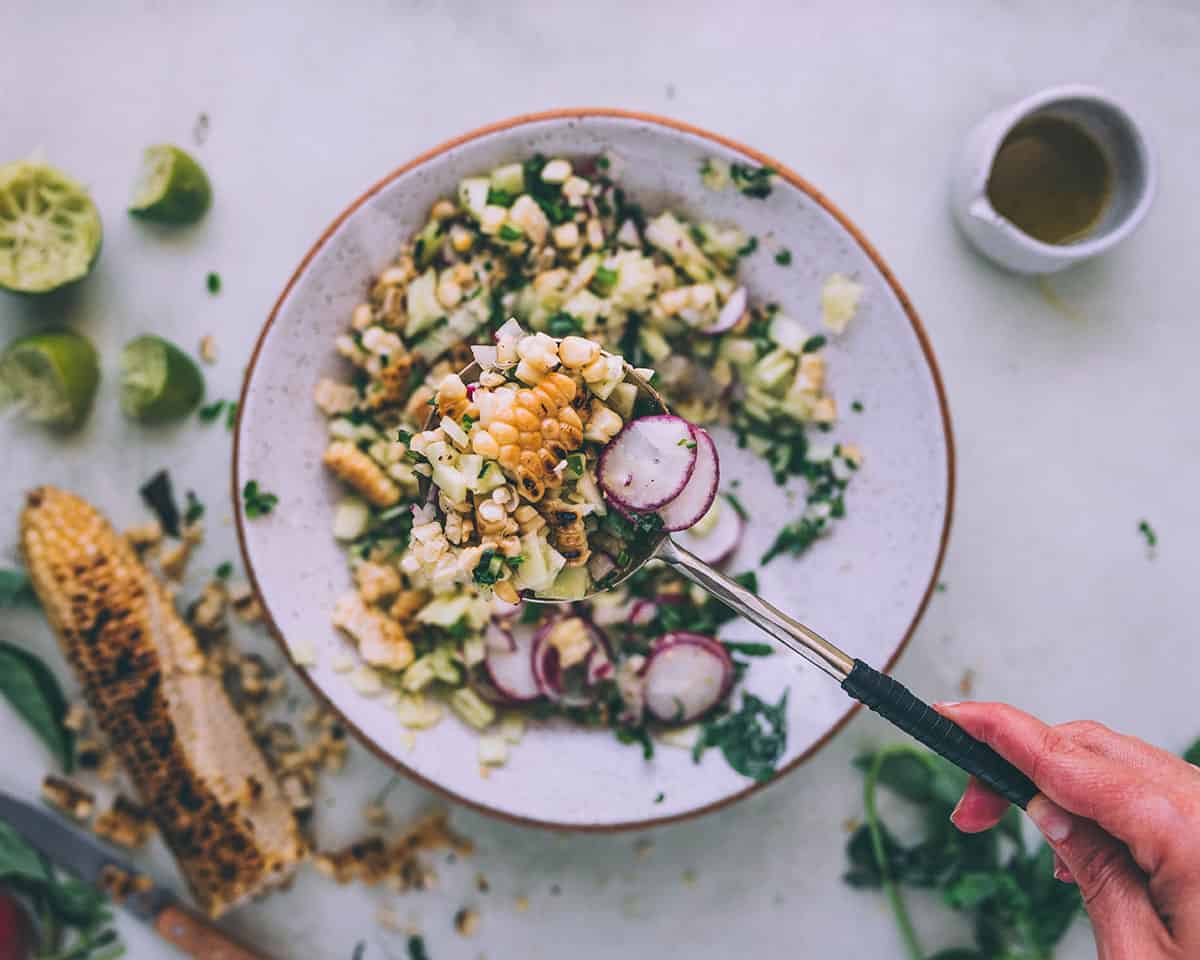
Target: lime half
[49, 228]
[158, 380]
[51, 376]
[171, 187]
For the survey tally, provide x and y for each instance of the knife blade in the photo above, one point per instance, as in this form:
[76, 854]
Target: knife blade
[91, 862]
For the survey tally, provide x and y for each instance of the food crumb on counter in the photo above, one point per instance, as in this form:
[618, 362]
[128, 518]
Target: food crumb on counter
[208, 348]
[966, 683]
[522, 904]
[689, 878]
[851, 824]
[481, 883]
[466, 921]
[642, 847]
[389, 920]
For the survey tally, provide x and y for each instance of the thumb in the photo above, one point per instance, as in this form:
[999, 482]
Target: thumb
[1114, 889]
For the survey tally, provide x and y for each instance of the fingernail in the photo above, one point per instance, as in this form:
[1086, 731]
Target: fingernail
[957, 808]
[950, 704]
[1063, 875]
[1054, 822]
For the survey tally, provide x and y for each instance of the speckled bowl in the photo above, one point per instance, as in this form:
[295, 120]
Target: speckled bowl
[865, 587]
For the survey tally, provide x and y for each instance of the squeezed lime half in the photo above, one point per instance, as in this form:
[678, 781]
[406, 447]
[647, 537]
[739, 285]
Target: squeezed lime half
[159, 381]
[171, 187]
[49, 229]
[52, 376]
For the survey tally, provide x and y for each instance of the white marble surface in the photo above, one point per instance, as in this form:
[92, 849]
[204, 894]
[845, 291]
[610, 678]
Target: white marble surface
[1073, 411]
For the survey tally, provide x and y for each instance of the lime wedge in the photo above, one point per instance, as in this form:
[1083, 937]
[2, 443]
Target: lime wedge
[158, 380]
[51, 376]
[49, 228]
[171, 187]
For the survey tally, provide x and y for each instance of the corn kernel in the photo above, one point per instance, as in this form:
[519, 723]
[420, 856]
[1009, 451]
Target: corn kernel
[556, 171]
[576, 352]
[566, 236]
[492, 219]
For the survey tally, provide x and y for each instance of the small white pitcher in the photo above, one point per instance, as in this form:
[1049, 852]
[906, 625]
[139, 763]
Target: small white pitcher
[1112, 128]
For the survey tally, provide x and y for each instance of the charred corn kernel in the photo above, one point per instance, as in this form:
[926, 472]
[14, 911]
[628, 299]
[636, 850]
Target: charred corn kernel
[506, 592]
[484, 444]
[376, 582]
[576, 352]
[528, 519]
[566, 236]
[824, 410]
[333, 398]
[702, 296]
[443, 210]
[461, 239]
[458, 528]
[528, 373]
[361, 318]
[417, 407]
[596, 371]
[540, 350]
[490, 517]
[395, 276]
[68, 797]
[144, 535]
[358, 471]
[551, 282]
[603, 424]
[381, 640]
[347, 348]
[568, 535]
[128, 646]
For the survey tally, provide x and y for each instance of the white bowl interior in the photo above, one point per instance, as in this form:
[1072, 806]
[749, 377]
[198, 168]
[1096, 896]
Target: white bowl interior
[862, 588]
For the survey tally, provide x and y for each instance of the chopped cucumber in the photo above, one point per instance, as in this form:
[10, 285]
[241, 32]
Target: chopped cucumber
[473, 710]
[422, 304]
[472, 194]
[788, 333]
[451, 481]
[350, 518]
[654, 343]
[510, 178]
[773, 371]
[532, 574]
[572, 583]
[622, 399]
[418, 675]
[445, 611]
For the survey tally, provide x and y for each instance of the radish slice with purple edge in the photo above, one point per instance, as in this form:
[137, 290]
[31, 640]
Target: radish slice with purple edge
[576, 640]
[716, 535]
[599, 666]
[730, 314]
[687, 676]
[649, 462]
[698, 495]
[643, 612]
[511, 671]
[498, 639]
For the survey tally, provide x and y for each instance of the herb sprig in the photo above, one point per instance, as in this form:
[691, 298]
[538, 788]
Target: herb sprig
[258, 502]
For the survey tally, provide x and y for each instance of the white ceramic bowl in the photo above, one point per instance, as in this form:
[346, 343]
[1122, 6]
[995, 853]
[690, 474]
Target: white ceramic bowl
[864, 588]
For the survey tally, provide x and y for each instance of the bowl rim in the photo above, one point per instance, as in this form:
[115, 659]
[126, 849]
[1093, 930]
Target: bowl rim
[800, 183]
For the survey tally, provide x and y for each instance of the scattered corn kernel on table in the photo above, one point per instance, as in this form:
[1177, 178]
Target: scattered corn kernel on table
[1071, 398]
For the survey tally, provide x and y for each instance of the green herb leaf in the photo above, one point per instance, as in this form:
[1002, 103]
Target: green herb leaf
[814, 343]
[856, 406]
[748, 247]
[500, 198]
[737, 505]
[224, 570]
[258, 503]
[1147, 531]
[16, 590]
[416, 948]
[749, 649]
[34, 693]
[193, 510]
[488, 570]
[510, 233]
[751, 181]
[213, 282]
[753, 739]
[210, 411]
[563, 325]
[784, 257]
[603, 281]
[231, 415]
[18, 860]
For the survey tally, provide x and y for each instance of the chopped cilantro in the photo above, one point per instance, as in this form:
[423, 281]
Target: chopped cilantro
[231, 415]
[563, 325]
[659, 797]
[1147, 531]
[258, 503]
[751, 181]
[194, 509]
[603, 281]
[796, 537]
[224, 570]
[509, 233]
[941, 586]
[213, 282]
[577, 464]
[210, 411]
[602, 162]
[403, 436]
[737, 505]
[748, 247]
[500, 198]
[753, 739]
[468, 422]
[784, 257]
[749, 649]
[488, 570]
[856, 406]
[416, 948]
[814, 343]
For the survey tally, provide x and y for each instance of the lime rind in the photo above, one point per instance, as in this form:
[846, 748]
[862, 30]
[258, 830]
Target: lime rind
[50, 231]
[159, 381]
[171, 187]
[52, 377]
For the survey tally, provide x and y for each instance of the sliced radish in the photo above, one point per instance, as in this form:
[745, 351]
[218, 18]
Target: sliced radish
[511, 671]
[649, 462]
[643, 612]
[687, 676]
[730, 314]
[718, 542]
[599, 666]
[697, 496]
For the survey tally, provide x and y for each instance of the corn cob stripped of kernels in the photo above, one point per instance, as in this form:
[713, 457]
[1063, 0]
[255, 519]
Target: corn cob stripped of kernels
[358, 471]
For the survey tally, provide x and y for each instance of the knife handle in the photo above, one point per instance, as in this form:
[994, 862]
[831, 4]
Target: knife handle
[199, 937]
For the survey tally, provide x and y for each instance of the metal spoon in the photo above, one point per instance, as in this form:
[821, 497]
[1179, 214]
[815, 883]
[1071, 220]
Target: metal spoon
[887, 697]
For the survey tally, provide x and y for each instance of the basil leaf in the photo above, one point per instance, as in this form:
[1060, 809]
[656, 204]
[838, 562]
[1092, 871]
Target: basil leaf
[18, 860]
[16, 590]
[34, 693]
[75, 902]
[1193, 754]
[752, 740]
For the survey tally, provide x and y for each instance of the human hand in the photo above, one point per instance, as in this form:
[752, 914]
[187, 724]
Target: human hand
[1122, 816]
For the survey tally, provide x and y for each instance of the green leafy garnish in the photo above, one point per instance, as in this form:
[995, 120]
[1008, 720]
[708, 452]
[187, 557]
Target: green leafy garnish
[563, 325]
[603, 281]
[193, 509]
[856, 406]
[210, 411]
[738, 506]
[509, 233]
[231, 415]
[753, 739]
[500, 198]
[751, 181]
[416, 948]
[1019, 910]
[213, 282]
[814, 343]
[32, 690]
[1147, 531]
[489, 568]
[784, 257]
[749, 649]
[258, 503]
[796, 537]
[16, 590]
[224, 570]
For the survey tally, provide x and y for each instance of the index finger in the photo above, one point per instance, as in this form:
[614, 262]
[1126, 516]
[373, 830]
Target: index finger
[1140, 794]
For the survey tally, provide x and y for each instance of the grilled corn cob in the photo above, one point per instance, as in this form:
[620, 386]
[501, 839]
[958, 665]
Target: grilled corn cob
[169, 719]
[356, 469]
